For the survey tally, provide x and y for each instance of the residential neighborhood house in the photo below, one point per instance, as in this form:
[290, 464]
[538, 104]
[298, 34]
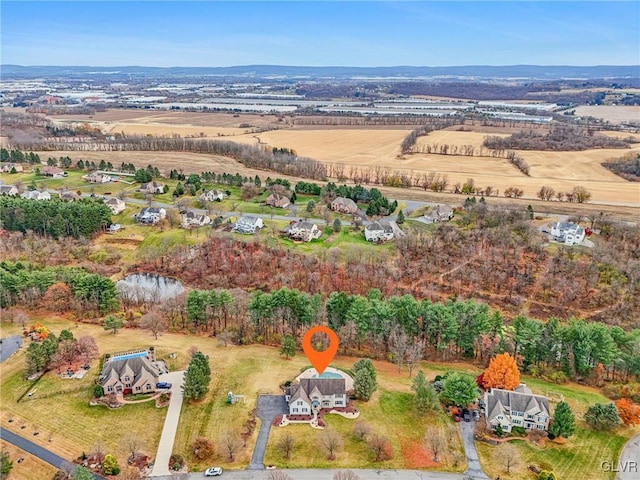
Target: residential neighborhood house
[36, 195]
[277, 200]
[68, 196]
[442, 213]
[192, 219]
[248, 224]
[309, 395]
[344, 205]
[133, 372]
[115, 205]
[516, 408]
[55, 172]
[8, 167]
[152, 188]
[212, 196]
[303, 231]
[567, 232]
[151, 215]
[378, 232]
[97, 177]
[9, 190]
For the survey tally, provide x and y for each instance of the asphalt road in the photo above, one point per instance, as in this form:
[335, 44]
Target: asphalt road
[628, 467]
[8, 346]
[269, 407]
[38, 451]
[474, 470]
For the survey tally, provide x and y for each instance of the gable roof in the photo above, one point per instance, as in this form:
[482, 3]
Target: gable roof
[136, 365]
[498, 401]
[379, 226]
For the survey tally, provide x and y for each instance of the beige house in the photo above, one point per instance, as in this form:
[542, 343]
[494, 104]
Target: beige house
[54, 172]
[212, 196]
[312, 394]
[192, 219]
[152, 187]
[7, 167]
[516, 408]
[304, 231]
[115, 205]
[10, 190]
[344, 205]
[133, 372]
[96, 177]
[277, 200]
[441, 213]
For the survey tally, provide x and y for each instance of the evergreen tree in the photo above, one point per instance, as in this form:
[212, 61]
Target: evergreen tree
[310, 206]
[400, 220]
[112, 323]
[288, 346]
[602, 417]
[365, 379]
[6, 464]
[197, 377]
[337, 225]
[564, 423]
[293, 198]
[426, 397]
[83, 473]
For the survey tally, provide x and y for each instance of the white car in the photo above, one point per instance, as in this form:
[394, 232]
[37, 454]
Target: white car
[213, 472]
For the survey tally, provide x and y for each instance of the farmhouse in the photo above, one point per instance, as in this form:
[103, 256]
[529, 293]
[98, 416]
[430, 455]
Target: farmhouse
[151, 215]
[248, 224]
[152, 188]
[304, 231]
[211, 196]
[97, 177]
[9, 167]
[36, 195]
[54, 172]
[131, 372]
[442, 213]
[11, 190]
[192, 219]
[567, 232]
[344, 205]
[277, 200]
[517, 408]
[311, 394]
[115, 205]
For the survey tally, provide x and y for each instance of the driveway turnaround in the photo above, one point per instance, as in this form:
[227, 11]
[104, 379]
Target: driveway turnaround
[628, 467]
[269, 407]
[38, 451]
[474, 470]
[165, 447]
[9, 345]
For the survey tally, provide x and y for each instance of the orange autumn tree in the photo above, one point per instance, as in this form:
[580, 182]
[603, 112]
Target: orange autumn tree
[502, 372]
[629, 412]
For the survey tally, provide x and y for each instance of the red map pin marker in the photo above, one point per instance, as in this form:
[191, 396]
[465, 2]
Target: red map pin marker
[320, 360]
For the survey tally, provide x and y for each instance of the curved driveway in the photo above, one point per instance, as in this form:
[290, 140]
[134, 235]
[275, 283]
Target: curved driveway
[629, 464]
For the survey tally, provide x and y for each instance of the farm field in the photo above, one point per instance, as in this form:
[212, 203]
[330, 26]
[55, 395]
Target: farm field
[611, 113]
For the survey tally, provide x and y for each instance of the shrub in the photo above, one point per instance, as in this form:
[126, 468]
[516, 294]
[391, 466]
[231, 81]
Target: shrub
[176, 462]
[547, 475]
[110, 465]
[519, 431]
[98, 391]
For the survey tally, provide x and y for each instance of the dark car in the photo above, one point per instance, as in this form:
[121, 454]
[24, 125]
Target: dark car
[163, 385]
[466, 415]
[476, 415]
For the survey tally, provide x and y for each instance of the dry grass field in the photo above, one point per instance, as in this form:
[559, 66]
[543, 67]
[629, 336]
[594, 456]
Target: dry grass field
[611, 113]
[30, 467]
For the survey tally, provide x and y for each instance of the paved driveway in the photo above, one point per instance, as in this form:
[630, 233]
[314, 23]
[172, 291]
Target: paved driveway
[629, 464]
[269, 407]
[474, 470]
[9, 345]
[165, 447]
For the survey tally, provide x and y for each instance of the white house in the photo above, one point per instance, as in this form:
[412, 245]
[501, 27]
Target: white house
[212, 196]
[152, 187]
[115, 205]
[151, 215]
[36, 195]
[312, 394]
[378, 231]
[7, 167]
[568, 233]
[516, 408]
[191, 219]
[248, 224]
[442, 213]
[305, 231]
[96, 177]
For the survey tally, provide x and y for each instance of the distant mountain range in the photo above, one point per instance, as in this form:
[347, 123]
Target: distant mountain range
[476, 72]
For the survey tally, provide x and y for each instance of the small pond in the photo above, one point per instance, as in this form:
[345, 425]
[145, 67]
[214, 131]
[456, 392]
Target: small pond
[148, 287]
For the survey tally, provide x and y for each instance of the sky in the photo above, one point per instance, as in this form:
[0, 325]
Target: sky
[327, 33]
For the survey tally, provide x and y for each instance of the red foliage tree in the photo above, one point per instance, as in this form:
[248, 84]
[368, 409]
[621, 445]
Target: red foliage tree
[58, 297]
[502, 372]
[629, 412]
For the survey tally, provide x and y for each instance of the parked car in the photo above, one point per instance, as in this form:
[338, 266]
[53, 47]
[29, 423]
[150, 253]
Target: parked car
[476, 415]
[163, 385]
[213, 472]
[466, 415]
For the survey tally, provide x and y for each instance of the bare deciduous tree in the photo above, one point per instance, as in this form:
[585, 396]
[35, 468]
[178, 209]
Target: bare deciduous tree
[154, 321]
[436, 441]
[285, 445]
[506, 455]
[398, 344]
[332, 442]
[414, 354]
[361, 430]
[231, 442]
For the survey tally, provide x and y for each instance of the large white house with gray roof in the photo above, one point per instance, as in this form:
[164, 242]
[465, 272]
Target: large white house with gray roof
[312, 394]
[516, 408]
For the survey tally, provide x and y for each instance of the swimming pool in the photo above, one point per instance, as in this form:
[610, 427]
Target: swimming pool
[126, 356]
[326, 374]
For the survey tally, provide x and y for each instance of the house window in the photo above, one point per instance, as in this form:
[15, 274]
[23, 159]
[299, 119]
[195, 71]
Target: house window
[138, 388]
[299, 402]
[148, 386]
[127, 379]
[516, 422]
[529, 416]
[127, 385]
[109, 389]
[295, 410]
[540, 427]
[338, 402]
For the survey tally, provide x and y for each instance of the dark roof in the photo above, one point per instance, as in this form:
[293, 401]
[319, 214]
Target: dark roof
[136, 364]
[498, 400]
[326, 386]
[385, 226]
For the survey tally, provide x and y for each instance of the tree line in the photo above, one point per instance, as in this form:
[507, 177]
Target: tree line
[55, 218]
